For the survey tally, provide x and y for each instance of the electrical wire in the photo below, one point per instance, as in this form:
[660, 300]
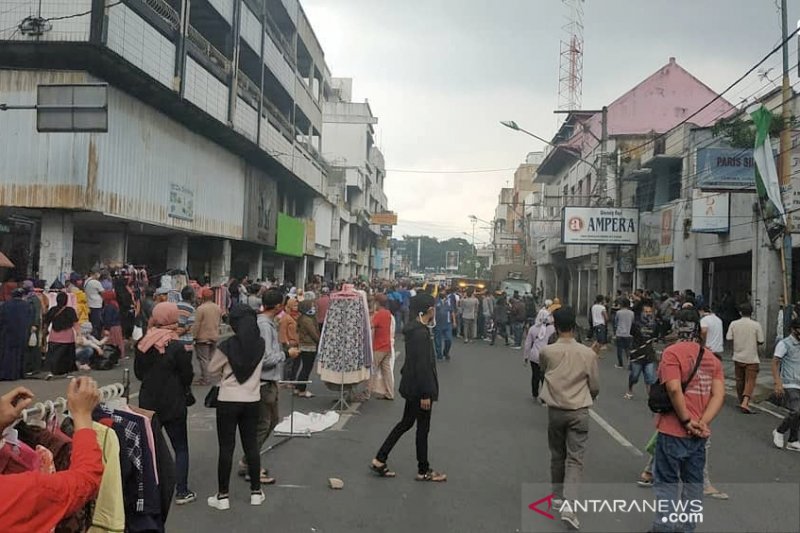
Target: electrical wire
[467, 171]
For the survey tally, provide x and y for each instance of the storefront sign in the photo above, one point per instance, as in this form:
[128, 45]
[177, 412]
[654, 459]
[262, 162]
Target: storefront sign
[311, 236]
[386, 230]
[181, 202]
[656, 238]
[261, 208]
[380, 219]
[793, 207]
[600, 225]
[710, 211]
[726, 168]
[291, 236]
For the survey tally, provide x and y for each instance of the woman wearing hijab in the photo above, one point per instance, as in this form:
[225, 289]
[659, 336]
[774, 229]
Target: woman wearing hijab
[63, 322]
[538, 337]
[112, 322]
[238, 360]
[165, 370]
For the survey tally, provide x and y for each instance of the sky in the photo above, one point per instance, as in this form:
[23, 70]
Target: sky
[441, 74]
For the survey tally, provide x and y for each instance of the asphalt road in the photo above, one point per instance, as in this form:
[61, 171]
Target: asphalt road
[490, 438]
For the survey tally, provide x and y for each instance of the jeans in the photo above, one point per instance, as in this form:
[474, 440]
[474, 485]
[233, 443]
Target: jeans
[792, 421]
[516, 329]
[623, 347]
[635, 371]
[500, 328]
[567, 435]
[678, 477]
[746, 375]
[179, 438]
[398, 320]
[443, 336]
[307, 361]
[536, 378]
[243, 415]
[83, 355]
[411, 413]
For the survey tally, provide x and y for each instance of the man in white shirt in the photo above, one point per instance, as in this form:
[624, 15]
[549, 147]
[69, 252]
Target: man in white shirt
[711, 331]
[747, 337]
[599, 321]
[94, 289]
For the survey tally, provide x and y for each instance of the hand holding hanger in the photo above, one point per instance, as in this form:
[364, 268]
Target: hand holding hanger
[82, 398]
[12, 404]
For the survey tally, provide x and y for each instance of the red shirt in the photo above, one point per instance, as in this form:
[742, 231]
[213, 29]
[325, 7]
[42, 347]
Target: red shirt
[382, 331]
[677, 362]
[322, 307]
[34, 502]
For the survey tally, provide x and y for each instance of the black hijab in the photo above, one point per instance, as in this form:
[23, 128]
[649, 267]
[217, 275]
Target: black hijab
[246, 348]
[61, 316]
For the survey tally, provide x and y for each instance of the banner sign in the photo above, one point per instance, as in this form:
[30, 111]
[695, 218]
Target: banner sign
[291, 236]
[711, 211]
[600, 225]
[656, 242]
[383, 219]
[726, 168]
[181, 202]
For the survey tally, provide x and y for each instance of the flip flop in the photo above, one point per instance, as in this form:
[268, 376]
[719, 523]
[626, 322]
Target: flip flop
[746, 410]
[382, 470]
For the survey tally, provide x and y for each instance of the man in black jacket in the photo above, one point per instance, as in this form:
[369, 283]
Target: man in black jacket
[419, 386]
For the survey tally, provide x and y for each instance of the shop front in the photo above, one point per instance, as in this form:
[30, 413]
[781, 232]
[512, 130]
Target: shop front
[655, 253]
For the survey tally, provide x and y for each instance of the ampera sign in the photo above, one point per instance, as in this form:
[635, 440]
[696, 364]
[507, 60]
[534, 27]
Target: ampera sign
[600, 225]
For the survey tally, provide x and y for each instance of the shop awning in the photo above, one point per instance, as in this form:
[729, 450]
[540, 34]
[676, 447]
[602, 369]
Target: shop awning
[5, 262]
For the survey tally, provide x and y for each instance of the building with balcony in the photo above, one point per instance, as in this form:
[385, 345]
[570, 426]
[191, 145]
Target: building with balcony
[212, 161]
[357, 176]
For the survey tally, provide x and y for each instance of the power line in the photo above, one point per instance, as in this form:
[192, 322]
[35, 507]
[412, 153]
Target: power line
[467, 171]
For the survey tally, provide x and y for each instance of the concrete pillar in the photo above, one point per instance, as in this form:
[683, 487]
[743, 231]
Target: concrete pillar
[178, 252]
[280, 270]
[221, 261]
[767, 284]
[256, 264]
[319, 267]
[302, 272]
[688, 270]
[55, 249]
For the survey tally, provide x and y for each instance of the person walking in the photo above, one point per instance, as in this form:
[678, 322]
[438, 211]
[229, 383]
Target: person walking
[287, 334]
[469, 313]
[443, 327]
[696, 388]
[308, 335]
[237, 360]
[94, 290]
[187, 317]
[381, 382]
[599, 322]
[165, 369]
[517, 317]
[205, 332]
[711, 331]
[419, 386]
[487, 308]
[642, 360]
[623, 320]
[571, 383]
[16, 318]
[786, 373]
[63, 323]
[747, 337]
[500, 319]
[271, 372]
[538, 336]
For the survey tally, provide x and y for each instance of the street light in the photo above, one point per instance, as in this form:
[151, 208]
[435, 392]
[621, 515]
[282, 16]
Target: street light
[510, 124]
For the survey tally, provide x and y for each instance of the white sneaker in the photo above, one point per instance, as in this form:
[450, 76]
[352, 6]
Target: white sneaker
[221, 504]
[794, 446]
[257, 498]
[777, 439]
[571, 520]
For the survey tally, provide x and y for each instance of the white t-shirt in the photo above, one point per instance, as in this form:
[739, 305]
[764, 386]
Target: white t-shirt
[597, 315]
[93, 288]
[780, 353]
[746, 335]
[713, 325]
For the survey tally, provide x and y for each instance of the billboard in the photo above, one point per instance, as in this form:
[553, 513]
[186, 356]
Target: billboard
[600, 225]
[726, 168]
[291, 236]
[451, 260]
[656, 242]
[383, 219]
[710, 211]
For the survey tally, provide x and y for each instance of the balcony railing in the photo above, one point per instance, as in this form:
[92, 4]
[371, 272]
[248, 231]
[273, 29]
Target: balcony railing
[165, 11]
[208, 49]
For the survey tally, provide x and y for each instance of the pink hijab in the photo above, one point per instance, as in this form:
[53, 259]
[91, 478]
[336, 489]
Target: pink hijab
[165, 319]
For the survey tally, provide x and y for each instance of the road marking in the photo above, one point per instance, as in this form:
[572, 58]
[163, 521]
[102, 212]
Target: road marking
[767, 410]
[616, 435]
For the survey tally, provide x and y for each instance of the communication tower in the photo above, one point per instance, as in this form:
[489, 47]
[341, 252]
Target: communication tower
[570, 78]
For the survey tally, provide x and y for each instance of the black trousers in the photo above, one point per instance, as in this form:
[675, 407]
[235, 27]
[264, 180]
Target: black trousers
[304, 370]
[536, 378]
[412, 413]
[245, 416]
[500, 328]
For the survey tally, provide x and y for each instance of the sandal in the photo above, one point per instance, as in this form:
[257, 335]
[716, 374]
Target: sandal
[628, 396]
[382, 469]
[746, 410]
[432, 475]
[306, 394]
[716, 494]
[263, 478]
[645, 480]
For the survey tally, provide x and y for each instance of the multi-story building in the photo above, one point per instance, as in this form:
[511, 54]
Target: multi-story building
[572, 168]
[510, 237]
[212, 157]
[358, 172]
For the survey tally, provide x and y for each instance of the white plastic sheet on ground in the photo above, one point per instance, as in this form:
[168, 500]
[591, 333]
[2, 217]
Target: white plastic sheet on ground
[308, 423]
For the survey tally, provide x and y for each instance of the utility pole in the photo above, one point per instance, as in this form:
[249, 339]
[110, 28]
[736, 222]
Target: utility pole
[602, 188]
[785, 167]
[419, 252]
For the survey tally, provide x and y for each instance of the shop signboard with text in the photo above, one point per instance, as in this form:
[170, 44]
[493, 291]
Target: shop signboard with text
[600, 225]
[711, 211]
[726, 169]
[656, 231]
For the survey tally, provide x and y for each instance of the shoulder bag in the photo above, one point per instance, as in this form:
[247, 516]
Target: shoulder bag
[658, 400]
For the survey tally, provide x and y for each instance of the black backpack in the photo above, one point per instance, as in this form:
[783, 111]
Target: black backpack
[658, 400]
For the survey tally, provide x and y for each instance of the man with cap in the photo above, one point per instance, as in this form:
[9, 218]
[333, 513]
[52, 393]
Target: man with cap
[205, 331]
[680, 452]
[419, 385]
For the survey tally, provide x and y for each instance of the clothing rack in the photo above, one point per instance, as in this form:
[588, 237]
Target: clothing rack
[289, 436]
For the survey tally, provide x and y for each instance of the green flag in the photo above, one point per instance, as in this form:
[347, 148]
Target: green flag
[767, 184]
